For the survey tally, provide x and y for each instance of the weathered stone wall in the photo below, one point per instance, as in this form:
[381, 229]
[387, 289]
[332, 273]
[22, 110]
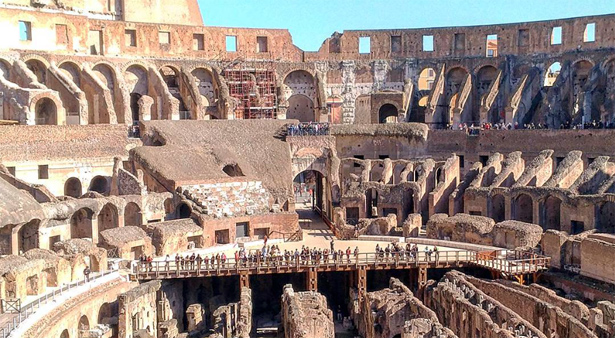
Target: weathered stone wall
[98, 306]
[306, 315]
[467, 311]
[390, 312]
[138, 309]
[552, 320]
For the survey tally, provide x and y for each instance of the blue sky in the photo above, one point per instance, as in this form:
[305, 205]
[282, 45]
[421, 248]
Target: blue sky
[312, 21]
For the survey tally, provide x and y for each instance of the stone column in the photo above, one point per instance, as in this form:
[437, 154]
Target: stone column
[312, 279]
[244, 280]
[361, 282]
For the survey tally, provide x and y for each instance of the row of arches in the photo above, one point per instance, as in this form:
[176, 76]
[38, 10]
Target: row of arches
[106, 314]
[84, 222]
[549, 213]
[74, 188]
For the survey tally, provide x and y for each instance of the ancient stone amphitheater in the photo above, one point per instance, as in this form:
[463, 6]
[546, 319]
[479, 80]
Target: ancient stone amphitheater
[166, 180]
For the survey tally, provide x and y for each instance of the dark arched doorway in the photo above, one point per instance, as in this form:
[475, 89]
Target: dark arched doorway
[72, 187]
[184, 211]
[309, 192]
[524, 209]
[134, 107]
[107, 218]
[387, 114]
[99, 184]
[81, 224]
[46, 112]
[551, 213]
[497, 208]
[28, 236]
[132, 215]
[300, 107]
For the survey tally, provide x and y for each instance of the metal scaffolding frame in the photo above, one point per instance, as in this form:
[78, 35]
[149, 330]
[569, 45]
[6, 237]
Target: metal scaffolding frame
[253, 84]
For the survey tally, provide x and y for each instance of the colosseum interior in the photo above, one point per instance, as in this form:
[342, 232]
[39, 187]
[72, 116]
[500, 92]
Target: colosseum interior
[165, 180]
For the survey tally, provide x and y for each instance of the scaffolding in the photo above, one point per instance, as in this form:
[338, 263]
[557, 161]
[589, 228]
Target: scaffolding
[254, 87]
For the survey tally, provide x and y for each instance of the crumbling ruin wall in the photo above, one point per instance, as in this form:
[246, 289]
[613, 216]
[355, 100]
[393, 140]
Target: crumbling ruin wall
[98, 305]
[306, 315]
[139, 307]
[390, 312]
[484, 231]
[551, 319]
[466, 310]
[234, 319]
[588, 253]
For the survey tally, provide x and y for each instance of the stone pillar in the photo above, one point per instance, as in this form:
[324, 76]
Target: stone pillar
[244, 280]
[312, 279]
[418, 278]
[194, 313]
[361, 282]
[422, 279]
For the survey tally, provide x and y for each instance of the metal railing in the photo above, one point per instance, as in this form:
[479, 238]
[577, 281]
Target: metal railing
[513, 262]
[255, 264]
[30, 308]
[281, 263]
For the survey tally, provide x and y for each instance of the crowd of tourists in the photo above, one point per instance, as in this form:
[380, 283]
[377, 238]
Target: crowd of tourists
[474, 129]
[308, 129]
[395, 251]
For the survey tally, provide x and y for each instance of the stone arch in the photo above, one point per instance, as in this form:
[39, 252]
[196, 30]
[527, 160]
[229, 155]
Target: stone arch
[299, 82]
[39, 68]
[498, 208]
[132, 215]
[551, 73]
[184, 210]
[438, 177]
[552, 213]
[315, 180]
[233, 170]
[106, 312]
[81, 223]
[171, 77]
[427, 77]
[28, 236]
[168, 206]
[454, 79]
[73, 188]
[387, 113]
[108, 218]
[106, 74]
[580, 72]
[72, 70]
[485, 77]
[398, 168]
[524, 208]
[606, 218]
[134, 106]
[100, 184]
[45, 111]
[5, 69]
[301, 107]
[136, 79]
[206, 83]
[84, 324]
[65, 334]
[375, 174]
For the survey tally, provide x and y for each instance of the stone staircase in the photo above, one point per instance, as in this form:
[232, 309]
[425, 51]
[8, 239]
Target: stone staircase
[229, 199]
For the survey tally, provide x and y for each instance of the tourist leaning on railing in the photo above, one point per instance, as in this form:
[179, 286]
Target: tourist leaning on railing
[308, 129]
